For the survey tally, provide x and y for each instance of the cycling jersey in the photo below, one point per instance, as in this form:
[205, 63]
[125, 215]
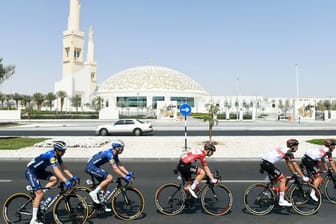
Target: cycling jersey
[44, 160]
[319, 154]
[193, 155]
[103, 157]
[279, 154]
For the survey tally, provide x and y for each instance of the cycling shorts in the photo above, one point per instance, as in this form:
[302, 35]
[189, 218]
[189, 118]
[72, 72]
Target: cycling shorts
[272, 171]
[187, 169]
[97, 172]
[34, 177]
[310, 164]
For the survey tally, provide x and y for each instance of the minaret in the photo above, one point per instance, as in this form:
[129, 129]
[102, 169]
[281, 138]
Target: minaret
[90, 61]
[73, 41]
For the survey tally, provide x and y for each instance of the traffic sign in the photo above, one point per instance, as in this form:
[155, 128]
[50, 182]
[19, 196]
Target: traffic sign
[185, 109]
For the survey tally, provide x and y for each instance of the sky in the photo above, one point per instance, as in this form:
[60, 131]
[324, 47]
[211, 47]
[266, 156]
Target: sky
[246, 47]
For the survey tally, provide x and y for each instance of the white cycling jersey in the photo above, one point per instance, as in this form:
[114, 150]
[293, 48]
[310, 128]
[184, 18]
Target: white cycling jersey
[318, 153]
[278, 154]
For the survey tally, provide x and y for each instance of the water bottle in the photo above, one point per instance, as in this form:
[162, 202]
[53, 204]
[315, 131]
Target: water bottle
[101, 196]
[44, 204]
[107, 195]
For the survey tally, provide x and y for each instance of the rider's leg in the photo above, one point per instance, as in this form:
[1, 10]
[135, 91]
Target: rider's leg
[36, 202]
[282, 187]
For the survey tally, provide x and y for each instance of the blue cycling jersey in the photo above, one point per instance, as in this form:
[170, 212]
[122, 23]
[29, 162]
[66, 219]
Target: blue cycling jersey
[103, 157]
[44, 160]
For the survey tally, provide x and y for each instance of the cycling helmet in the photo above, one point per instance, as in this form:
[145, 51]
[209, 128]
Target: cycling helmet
[329, 142]
[60, 146]
[292, 142]
[118, 144]
[209, 146]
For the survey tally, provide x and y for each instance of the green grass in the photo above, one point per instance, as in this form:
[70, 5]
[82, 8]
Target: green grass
[14, 143]
[316, 141]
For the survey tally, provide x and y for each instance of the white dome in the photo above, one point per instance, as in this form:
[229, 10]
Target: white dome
[151, 79]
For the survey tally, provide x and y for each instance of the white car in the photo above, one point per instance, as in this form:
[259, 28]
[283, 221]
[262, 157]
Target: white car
[125, 126]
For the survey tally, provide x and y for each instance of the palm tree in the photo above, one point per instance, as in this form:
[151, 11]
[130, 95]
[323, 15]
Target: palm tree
[61, 94]
[38, 98]
[97, 103]
[6, 71]
[17, 97]
[211, 118]
[76, 101]
[2, 99]
[26, 99]
[50, 97]
[8, 98]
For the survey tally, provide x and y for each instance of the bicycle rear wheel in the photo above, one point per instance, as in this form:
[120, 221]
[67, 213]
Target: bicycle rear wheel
[217, 199]
[84, 192]
[259, 199]
[128, 203]
[330, 190]
[170, 199]
[71, 208]
[17, 208]
[302, 203]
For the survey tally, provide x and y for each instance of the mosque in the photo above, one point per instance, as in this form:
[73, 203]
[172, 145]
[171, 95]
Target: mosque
[151, 89]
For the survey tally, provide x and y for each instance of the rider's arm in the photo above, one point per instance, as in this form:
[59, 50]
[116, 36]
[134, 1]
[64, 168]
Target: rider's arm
[118, 171]
[66, 170]
[332, 164]
[59, 174]
[208, 172]
[122, 168]
[294, 167]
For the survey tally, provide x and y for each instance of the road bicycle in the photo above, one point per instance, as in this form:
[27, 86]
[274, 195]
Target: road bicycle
[261, 198]
[216, 199]
[127, 201]
[67, 207]
[328, 183]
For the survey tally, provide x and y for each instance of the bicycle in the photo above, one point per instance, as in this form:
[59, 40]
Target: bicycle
[127, 201]
[328, 183]
[261, 198]
[216, 199]
[68, 207]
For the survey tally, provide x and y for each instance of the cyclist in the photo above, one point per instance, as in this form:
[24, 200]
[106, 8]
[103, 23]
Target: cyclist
[36, 170]
[275, 174]
[314, 161]
[93, 167]
[187, 168]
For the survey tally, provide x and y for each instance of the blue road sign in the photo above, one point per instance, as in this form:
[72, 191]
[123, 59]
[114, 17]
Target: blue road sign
[185, 109]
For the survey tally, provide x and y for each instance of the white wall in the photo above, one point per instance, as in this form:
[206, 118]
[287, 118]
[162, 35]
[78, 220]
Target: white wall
[10, 115]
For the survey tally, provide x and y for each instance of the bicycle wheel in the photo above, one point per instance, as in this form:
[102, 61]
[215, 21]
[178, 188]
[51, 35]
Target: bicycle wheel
[17, 208]
[84, 192]
[302, 203]
[330, 190]
[128, 203]
[217, 199]
[170, 199]
[71, 208]
[259, 199]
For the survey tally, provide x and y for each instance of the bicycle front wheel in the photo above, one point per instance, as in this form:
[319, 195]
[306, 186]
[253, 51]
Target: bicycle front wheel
[84, 192]
[259, 199]
[217, 199]
[170, 199]
[128, 203]
[71, 208]
[302, 203]
[330, 190]
[17, 208]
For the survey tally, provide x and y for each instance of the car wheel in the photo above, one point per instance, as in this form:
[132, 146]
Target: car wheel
[137, 132]
[103, 132]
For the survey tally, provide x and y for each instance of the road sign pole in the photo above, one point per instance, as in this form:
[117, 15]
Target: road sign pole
[185, 133]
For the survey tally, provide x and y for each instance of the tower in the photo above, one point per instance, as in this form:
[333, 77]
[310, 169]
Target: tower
[73, 41]
[78, 78]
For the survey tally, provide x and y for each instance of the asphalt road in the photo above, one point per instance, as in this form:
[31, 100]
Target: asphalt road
[151, 174]
[50, 132]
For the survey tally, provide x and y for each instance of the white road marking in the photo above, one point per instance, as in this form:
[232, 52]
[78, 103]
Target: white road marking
[5, 181]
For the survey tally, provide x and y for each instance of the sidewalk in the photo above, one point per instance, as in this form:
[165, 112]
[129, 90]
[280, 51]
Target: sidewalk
[158, 148]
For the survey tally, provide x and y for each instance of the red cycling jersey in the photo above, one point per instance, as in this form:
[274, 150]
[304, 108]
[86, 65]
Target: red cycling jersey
[193, 155]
